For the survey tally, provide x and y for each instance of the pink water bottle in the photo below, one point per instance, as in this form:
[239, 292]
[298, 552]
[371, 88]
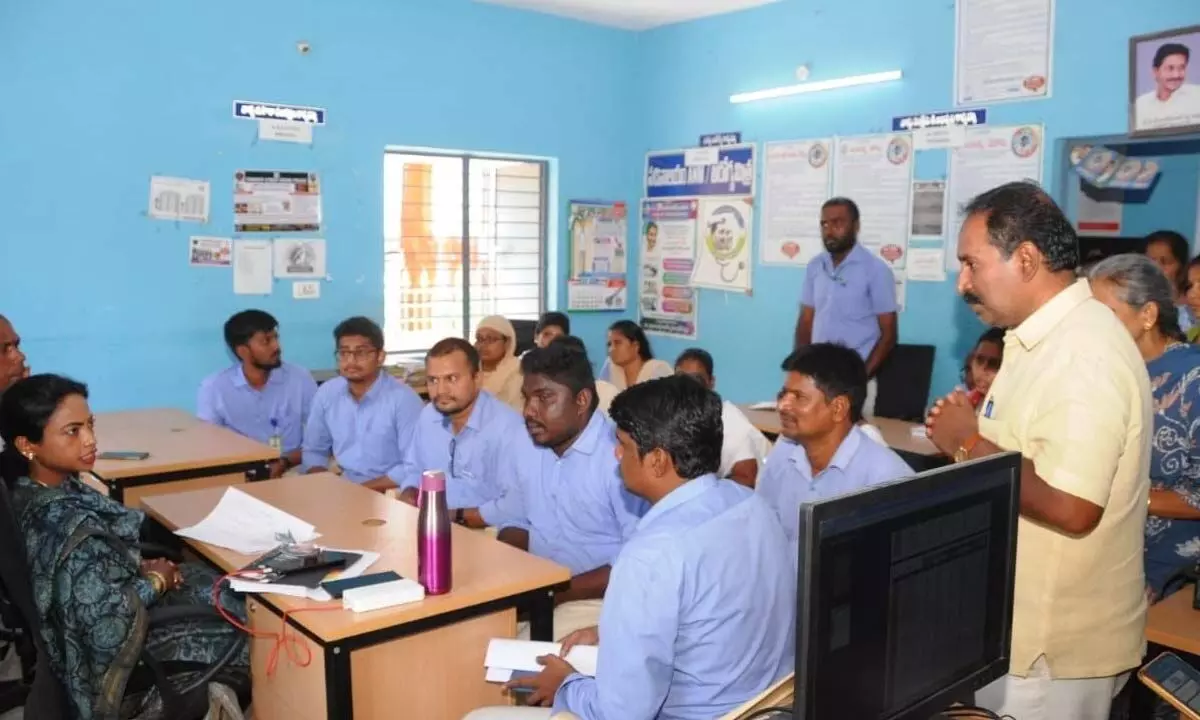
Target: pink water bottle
[433, 534]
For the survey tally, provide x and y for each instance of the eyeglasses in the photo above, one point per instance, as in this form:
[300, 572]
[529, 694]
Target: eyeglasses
[489, 339]
[357, 354]
[990, 363]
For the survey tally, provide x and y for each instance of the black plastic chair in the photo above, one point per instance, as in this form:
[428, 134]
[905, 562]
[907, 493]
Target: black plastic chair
[525, 334]
[903, 383]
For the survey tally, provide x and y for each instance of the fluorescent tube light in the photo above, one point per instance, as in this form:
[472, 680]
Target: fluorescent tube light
[818, 86]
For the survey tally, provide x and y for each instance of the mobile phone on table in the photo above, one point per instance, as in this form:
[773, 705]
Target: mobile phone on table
[1175, 681]
[123, 455]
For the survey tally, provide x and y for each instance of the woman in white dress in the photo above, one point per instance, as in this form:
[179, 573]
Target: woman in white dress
[630, 359]
[496, 341]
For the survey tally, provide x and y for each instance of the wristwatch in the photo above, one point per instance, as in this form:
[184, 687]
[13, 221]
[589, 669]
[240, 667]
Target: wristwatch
[460, 516]
[963, 453]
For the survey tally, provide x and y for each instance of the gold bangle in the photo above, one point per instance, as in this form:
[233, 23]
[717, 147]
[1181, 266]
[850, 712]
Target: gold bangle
[157, 580]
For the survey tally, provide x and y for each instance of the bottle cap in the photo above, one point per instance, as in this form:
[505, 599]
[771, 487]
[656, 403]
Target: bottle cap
[433, 481]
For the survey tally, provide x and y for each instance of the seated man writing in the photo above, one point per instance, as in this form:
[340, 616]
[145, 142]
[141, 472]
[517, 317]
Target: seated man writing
[699, 616]
[565, 501]
[463, 431]
[365, 417]
[821, 451]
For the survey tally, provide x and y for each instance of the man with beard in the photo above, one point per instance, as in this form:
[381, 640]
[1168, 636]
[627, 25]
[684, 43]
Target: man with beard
[365, 417]
[849, 294]
[1073, 398]
[467, 433]
[261, 396]
[822, 452]
[566, 501]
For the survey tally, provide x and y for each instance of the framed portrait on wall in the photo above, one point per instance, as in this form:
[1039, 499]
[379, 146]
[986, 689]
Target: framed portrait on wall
[1164, 82]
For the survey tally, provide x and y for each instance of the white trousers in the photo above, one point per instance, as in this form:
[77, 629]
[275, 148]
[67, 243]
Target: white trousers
[568, 618]
[1041, 697]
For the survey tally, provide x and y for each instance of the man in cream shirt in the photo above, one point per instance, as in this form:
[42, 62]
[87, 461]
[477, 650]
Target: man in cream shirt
[1073, 398]
[1172, 102]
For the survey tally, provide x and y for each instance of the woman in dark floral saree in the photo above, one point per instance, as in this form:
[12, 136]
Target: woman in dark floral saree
[91, 586]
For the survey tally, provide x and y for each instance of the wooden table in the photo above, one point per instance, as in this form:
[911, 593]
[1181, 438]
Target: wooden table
[918, 451]
[1174, 624]
[423, 660]
[185, 454]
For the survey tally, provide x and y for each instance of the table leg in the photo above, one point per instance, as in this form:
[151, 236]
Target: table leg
[339, 691]
[541, 617]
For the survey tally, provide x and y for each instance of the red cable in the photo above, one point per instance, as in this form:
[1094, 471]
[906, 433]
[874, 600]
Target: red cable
[289, 642]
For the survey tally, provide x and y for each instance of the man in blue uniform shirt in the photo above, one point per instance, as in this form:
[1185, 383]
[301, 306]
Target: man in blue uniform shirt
[699, 616]
[566, 502]
[465, 432]
[365, 417]
[821, 452]
[261, 396]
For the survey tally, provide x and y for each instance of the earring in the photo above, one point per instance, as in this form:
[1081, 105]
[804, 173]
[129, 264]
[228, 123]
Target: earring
[29, 456]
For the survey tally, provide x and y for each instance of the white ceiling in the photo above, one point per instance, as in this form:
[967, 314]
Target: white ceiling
[633, 14]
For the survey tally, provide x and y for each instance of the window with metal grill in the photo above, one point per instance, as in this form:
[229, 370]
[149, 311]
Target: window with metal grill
[464, 238]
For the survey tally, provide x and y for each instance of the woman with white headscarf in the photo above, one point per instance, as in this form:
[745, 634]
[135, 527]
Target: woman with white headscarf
[496, 341]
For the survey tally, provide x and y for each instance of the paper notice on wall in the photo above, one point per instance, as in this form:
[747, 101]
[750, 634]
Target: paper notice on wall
[667, 301]
[210, 251]
[299, 258]
[993, 155]
[179, 199]
[285, 131]
[926, 264]
[796, 183]
[306, 290]
[901, 289]
[276, 201]
[928, 209]
[1002, 50]
[252, 267]
[723, 258]
[876, 172]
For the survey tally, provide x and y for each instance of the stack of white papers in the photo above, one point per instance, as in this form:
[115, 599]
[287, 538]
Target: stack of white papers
[383, 595]
[318, 593]
[505, 656]
[247, 525]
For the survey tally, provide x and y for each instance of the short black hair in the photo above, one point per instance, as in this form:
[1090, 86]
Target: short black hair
[850, 205]
[1019, 212]
[1180, 249]
[992, 335]
[1167, 50]
[696, 355]
[634, 333]
[572, 342]
[836, 370]
[244, 325]
[362, 327]
[451, 345]
[679, 416]
[25, 410]
[553, 319]
[563, 363]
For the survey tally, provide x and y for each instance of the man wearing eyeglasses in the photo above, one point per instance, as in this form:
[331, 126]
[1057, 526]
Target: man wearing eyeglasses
[365, 417]
[468, 434]
[849, 294]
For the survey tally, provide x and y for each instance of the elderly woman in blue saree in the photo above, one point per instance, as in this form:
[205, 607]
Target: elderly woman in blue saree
[1141, 297]
[91, 586]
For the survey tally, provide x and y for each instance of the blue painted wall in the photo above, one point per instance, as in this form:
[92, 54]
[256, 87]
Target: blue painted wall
[690, 70]
[103, 95]
[100, 96]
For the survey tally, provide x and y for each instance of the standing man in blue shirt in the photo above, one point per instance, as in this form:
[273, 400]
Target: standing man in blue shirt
[700, 612]
[821, 452]
[566, 502]
[465, 432]
[261, 396]
[849, 294]
[365, 417]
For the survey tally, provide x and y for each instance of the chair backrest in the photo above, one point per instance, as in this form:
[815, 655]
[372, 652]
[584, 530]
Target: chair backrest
[904, 381]
[525, 333]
